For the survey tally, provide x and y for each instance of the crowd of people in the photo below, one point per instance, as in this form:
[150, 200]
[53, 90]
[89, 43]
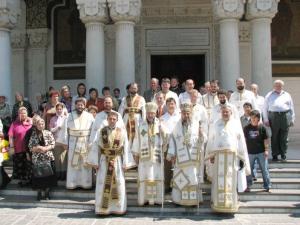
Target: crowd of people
[177, 138]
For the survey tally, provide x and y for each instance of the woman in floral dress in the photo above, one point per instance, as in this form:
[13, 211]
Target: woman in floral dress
[41, 144]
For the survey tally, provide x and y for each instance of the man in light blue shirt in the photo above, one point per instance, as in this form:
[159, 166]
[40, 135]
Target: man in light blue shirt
[279, 114]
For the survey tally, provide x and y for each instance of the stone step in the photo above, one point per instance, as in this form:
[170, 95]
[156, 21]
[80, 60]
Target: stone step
[170, 208]
[274, 173]
[255, 194]
[277, 183]
[282, 173]
[291, 163]
[280, 188]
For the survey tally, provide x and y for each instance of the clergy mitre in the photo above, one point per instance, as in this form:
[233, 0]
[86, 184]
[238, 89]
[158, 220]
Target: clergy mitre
[186, 107]
[151, 107]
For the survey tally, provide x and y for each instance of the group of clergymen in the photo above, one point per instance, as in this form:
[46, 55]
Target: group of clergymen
[175, 142]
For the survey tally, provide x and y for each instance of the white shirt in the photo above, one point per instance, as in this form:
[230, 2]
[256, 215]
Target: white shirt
[275, 102]
[169, 121]
[260, 101]
[240, 98]
[186, 98]
[200, 116]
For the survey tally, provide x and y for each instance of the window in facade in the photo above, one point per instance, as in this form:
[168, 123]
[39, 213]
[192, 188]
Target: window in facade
[69, 43]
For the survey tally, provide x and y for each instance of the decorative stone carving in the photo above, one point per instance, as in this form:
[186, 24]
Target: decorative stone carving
[36, 14]
[38, 38]
[228, 9]
[92, 10]
[125, 10]
[110, 34]
[245, 32]
[261, 9]
[9, 13]
[18, 40]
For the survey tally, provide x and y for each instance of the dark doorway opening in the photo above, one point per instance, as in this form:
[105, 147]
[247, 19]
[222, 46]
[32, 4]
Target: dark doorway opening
[182, 66]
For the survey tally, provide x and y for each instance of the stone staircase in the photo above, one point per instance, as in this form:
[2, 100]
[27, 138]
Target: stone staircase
[284, 197]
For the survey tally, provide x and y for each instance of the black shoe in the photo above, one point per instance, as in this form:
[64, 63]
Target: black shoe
[47, 194]
[267, 190]
[283, 158]
[39, 196]
[275, 158]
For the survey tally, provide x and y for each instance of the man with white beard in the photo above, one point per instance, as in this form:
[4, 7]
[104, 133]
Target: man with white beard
[185, 151]
[227, 151]
[148, 151]
[79, 126]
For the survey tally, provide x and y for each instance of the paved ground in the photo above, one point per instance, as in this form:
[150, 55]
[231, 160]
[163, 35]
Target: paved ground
[41, 216]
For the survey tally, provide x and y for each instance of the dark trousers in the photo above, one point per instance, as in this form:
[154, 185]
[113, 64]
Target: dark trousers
[280, 129]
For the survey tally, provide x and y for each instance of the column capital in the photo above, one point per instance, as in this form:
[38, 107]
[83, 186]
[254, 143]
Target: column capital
[125, 10]
[38, 38]
[9, 12]
[92, 11]
[261, 9]
[228, 9]
[18, 39]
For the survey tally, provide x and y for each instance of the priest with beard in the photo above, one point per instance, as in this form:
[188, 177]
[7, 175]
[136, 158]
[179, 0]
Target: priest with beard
[148, 150]
[216, 110]
[132, 110]
[101, 118]
[227, 151]
[185, 151]
[241, 96]
[79, 126]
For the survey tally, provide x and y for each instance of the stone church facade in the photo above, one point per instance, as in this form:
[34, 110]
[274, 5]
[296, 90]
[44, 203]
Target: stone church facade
[114, 42]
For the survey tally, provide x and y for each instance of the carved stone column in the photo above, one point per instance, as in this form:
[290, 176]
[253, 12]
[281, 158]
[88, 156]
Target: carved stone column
[37, 61]
[125, 13]
[93, 15]
[18, 43]
[228, 13]
[9, 13]
[260, 13]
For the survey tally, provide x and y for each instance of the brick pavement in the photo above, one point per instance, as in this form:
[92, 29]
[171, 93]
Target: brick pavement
[42, 216]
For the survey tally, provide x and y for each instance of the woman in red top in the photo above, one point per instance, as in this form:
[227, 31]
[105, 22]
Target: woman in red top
[95, 100]
[21, 161]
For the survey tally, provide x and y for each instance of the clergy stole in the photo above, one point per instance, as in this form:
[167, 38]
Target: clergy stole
[81, 139]
[225, 173]
[111, 149]
[187, 155]
[225, 180]
[132, 109]
[150, 151]
[209, 101]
